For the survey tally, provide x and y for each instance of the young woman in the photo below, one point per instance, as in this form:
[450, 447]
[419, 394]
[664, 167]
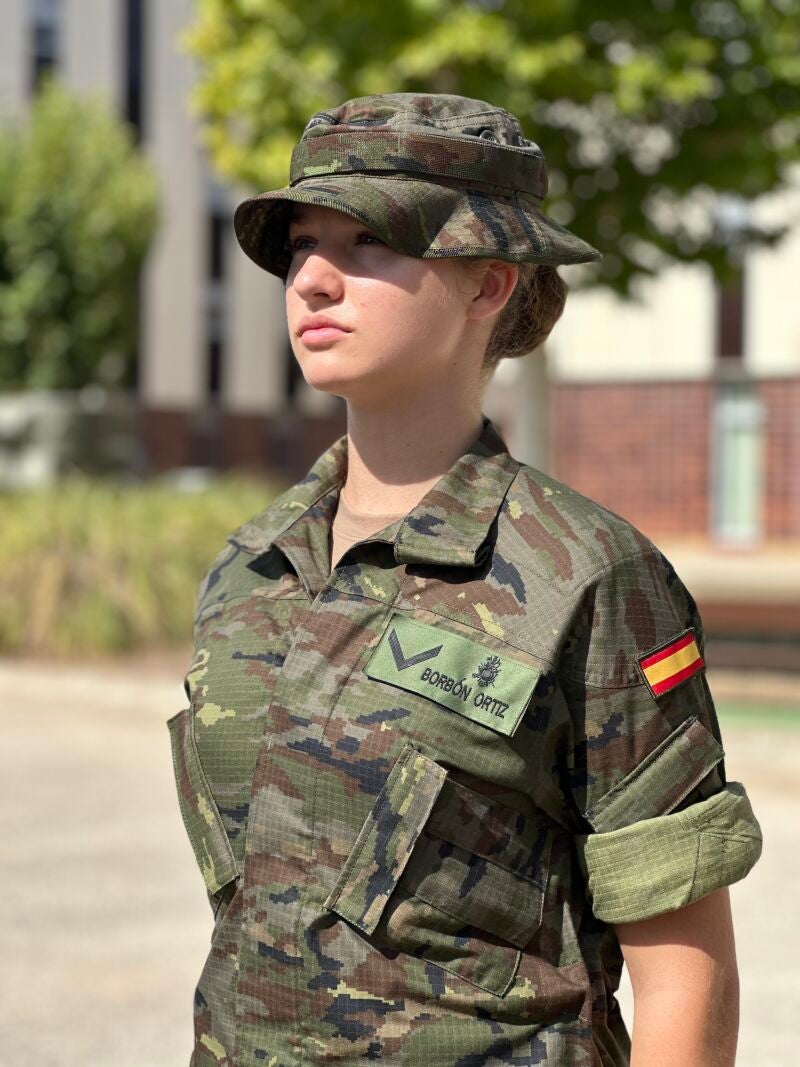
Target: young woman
[450, 756]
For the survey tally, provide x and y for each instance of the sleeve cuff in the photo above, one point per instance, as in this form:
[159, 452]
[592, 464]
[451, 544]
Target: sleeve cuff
[664, 863]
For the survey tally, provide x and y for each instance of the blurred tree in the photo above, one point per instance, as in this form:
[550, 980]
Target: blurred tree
[651, 115]
[77, 212]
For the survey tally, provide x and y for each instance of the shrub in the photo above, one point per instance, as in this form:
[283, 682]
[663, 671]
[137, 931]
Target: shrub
[95, 566]
[78, 208]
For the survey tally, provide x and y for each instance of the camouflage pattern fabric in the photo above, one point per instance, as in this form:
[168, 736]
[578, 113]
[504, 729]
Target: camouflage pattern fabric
[414, 784]
[432, 175]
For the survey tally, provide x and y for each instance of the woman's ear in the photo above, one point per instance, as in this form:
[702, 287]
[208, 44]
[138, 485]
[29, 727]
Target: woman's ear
[496, 287]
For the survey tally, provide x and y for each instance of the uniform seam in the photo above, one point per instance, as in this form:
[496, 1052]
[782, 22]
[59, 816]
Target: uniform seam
[241, 596]
[610, 688]
[444, 615]
[594, 576]
[582, 541]
[741, 837]
[450, 970]
[696, 866]
[406, 613]
[435, 835]
[589, 678]
[548, 662]
[564, 593]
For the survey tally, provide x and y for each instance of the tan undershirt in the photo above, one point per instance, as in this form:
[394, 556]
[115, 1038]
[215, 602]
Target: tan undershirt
[350, 526]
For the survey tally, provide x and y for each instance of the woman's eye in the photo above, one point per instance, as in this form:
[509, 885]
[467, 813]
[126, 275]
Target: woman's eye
[296, 244]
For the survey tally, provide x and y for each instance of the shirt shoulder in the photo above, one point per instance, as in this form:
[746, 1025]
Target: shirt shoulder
[564, 535]
[612, 594]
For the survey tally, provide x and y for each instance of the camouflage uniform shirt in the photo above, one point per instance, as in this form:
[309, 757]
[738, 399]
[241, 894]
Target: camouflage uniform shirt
[422, 787]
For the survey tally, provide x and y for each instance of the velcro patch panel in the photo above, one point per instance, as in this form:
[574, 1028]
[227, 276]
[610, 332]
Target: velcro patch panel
[463, 675]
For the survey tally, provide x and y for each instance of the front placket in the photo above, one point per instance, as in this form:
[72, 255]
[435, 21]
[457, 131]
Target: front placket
[283, 975]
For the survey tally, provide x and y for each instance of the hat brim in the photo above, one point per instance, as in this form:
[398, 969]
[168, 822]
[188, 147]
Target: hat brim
[426, 218]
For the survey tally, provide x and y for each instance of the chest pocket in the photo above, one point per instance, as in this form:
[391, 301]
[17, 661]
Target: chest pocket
[199, 811]
[446, 874]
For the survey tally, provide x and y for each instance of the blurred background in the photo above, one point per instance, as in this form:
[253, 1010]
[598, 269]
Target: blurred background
[150, 403]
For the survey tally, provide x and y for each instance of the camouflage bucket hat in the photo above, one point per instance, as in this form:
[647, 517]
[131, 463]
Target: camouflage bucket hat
[431, 175]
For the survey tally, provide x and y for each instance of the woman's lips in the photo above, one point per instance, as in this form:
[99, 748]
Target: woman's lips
[322, 335]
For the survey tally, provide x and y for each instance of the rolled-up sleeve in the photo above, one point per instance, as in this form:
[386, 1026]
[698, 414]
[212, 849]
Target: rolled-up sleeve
[645, 774]
[660, 864]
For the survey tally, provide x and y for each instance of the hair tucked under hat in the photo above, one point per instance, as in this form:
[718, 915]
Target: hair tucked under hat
[529, 315]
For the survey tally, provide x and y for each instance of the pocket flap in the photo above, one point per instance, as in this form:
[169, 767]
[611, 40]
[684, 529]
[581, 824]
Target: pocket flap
[478, 824]
[199, 811]
[477, 891]
[661, 781]
[386, 839]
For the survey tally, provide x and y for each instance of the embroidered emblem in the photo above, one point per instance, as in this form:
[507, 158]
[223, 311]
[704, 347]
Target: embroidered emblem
[669, 665]
[488, 671]
[402, 662]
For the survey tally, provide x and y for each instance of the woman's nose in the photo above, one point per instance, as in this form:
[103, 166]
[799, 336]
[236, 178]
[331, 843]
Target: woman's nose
[318, 276]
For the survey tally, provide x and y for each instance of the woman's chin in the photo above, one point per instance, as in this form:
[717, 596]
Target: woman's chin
[327, 379]
[361, 390]
[331, 375]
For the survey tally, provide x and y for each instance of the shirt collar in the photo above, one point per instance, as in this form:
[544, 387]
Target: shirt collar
[450, 524]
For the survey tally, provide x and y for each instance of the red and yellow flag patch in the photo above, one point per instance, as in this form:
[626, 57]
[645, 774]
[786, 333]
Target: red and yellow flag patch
[665, 667]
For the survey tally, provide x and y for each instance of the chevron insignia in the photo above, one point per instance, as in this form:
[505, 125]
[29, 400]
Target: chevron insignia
[404, 662]
[471, 676]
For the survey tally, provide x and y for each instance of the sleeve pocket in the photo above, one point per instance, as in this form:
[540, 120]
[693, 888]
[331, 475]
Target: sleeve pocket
[446, 874]
[199, 810]
[661, 781]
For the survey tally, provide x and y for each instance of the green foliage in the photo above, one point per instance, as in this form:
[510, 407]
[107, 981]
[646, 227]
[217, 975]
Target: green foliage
[647, 112]
[77, 212]
[94, 566]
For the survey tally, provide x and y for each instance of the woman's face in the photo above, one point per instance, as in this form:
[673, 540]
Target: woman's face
[402, 319]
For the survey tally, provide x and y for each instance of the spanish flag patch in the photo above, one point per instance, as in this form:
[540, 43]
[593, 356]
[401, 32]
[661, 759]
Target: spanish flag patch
[669, 665]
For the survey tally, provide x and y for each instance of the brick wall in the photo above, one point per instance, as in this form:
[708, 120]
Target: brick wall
[781, 398]
[640, 449]
[284, 446]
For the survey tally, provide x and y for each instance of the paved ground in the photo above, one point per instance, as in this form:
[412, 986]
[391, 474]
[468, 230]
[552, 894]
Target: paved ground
[106, 922]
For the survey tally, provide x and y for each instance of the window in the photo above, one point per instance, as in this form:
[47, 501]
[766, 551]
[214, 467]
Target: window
[134, 29]
[216, 288]
[44, 16]
[732, 221]
[737, 464]
[730, 318]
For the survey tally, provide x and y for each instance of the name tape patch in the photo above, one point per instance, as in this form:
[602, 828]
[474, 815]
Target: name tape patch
[458, 673]
[665, 667]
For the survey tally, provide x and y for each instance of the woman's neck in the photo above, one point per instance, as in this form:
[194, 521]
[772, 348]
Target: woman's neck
[396, 456]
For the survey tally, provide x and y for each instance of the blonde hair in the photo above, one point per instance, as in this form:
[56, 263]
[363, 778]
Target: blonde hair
[528, 316]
